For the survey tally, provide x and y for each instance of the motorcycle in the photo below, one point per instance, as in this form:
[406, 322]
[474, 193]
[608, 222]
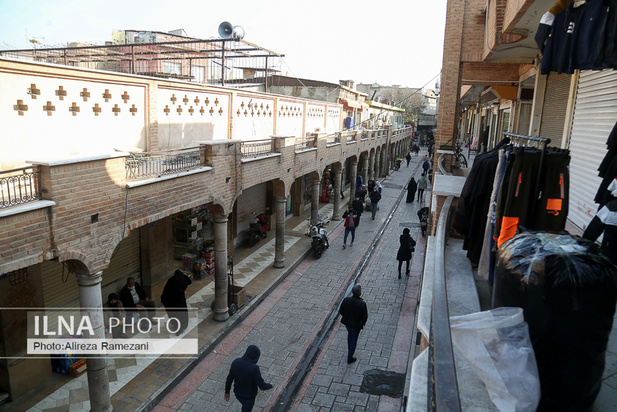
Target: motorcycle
[423, 216]
[258, 229]
[320, 238]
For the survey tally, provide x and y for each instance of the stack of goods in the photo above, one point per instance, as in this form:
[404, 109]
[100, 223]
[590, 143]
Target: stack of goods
[188, 262]
[208, 255]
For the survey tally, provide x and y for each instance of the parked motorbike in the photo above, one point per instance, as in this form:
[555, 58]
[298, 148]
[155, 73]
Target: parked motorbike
[423, 216]
[258, 229]
[320, 238]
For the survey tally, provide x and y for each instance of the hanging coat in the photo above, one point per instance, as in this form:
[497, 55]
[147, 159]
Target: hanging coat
[412, 186]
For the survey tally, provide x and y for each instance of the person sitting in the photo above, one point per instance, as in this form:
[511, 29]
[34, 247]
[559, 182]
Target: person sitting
[113, 308]
[135, 300]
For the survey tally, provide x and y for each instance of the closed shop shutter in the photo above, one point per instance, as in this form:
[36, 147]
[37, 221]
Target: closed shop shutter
[555, 105]
[251, 200]
[60, 288]
[595, 114]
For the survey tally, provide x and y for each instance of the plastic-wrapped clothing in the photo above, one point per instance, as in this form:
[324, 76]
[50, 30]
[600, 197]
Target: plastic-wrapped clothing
[605, 221]
[568, 291]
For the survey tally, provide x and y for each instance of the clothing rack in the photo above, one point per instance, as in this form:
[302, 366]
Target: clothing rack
[522, 140]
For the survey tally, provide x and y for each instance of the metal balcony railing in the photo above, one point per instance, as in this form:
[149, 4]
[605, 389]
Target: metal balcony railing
[305, 143]
[19, 186]
[157, 164]
[257, 148]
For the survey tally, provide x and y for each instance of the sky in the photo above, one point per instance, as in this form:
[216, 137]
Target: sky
[390, 42]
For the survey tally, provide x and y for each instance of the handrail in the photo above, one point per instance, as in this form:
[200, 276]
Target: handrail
[156, 164]
[443, 393]
[19, 186]
[257, 148]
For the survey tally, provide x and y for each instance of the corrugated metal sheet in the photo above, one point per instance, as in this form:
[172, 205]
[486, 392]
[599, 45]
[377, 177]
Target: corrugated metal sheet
[60, 288]
[595, 114]
[251, 200]
[555, 107]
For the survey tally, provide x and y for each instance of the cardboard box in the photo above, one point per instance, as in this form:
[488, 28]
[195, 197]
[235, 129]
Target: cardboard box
[78, 368]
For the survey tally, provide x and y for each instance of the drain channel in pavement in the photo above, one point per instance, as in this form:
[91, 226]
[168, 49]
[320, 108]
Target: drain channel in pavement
[378, 382]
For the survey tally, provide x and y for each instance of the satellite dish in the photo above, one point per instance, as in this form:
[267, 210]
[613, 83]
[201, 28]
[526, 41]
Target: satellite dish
[227, 31]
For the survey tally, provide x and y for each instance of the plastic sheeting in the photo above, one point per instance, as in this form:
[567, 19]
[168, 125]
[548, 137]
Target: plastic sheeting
[568, 291]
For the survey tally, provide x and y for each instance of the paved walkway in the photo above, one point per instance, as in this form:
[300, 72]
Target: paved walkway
[287, 322]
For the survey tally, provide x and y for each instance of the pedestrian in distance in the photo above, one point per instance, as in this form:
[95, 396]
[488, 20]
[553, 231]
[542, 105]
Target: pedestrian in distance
[412, 186]
[416, 149]
[370, 186]
[408, 158]
[246, 377]
[426, 165]
[358, 207]
[354, 315]
[174, 299]
[351, 222]
[361, 193]
[422, 185]
[405, 251]
[375, 198]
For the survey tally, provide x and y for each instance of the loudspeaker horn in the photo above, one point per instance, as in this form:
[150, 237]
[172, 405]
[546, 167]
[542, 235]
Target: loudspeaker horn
[226, 30]
[238, 33]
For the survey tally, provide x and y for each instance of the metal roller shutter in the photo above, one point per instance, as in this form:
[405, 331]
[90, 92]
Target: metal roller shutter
[251, 200]
[555, 105]
[60, 288]
[595, 114]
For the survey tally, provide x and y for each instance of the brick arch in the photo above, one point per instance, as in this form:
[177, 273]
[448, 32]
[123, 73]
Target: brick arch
[77, 262]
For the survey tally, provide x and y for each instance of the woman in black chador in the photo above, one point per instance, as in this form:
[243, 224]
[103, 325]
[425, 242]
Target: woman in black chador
[405, 251]
[412, 186]
[174, 300]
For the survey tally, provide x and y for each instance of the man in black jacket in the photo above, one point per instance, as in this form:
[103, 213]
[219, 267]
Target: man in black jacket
[358, 207]
[134, 299]
[353, 315]
[247, 376]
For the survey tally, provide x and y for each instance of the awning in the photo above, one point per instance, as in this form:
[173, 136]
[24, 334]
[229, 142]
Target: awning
[352, 103]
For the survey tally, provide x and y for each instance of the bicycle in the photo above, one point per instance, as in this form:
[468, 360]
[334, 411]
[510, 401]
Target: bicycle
[459, 156]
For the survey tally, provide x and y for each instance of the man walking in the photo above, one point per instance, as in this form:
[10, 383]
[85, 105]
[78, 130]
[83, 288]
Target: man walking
[247, 376]
[358, 207]
[375, 198]
[351, 222]
[353, 315]
[408, 158]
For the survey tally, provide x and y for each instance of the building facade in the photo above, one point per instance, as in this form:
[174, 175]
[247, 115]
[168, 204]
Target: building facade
[108, 175]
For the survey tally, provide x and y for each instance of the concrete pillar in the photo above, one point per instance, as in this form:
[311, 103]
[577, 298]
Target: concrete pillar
[315, 201]
[221, 283]
[91, 302]
[336, 213]
[279, 240]
[371, 166]
[377, 166]
[365, 171]
[354, 172]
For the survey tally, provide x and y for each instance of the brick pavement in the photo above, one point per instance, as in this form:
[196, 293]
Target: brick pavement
[286, 322]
